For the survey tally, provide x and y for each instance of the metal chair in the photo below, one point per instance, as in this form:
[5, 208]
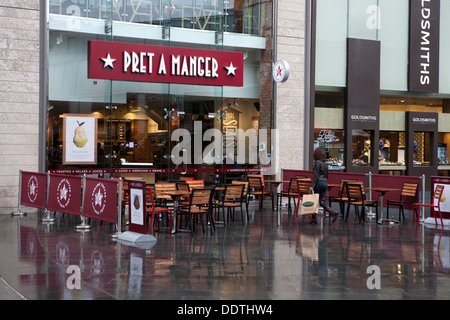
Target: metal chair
[200, 202]
[257, 187]
[246, 192]
[356, 197]
[341, 198]
[408, 196]
[155, 212]
[160, 192]
[232, 197]
[200, 184]
[437, 195]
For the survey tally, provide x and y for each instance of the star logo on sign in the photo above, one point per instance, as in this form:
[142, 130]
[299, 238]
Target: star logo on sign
[33, 189]
[108, 61]
[231, 69]
[279, 71]
[64, 193]
[98, 198]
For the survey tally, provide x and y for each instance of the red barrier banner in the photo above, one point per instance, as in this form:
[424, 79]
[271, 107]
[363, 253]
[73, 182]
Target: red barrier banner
[137, 210]
[33, 189]
[64, 194]
[100, 199]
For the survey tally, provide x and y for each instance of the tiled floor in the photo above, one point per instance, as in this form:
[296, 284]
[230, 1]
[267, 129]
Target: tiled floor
[271, 258]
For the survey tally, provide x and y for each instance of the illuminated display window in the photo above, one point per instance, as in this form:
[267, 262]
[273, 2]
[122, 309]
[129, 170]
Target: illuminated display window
[391, 149]
[332, 141]
[422, 148]
[361, 147]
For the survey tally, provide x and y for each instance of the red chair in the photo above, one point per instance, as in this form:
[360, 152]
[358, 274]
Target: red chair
[303, 187]
[437, 195]
[155, 211]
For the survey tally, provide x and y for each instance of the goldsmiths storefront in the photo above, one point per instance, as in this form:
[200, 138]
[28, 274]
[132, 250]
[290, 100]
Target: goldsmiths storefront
[381, 99]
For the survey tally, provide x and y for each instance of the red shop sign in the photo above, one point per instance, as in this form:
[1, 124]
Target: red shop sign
[100, 199]
[151, 63]
[33, 191]
[64, 194]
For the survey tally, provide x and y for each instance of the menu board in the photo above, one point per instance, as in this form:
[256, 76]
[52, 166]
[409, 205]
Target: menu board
[137, 209]
[445, 199]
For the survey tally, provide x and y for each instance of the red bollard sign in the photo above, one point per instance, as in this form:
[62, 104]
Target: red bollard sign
[100, 200]
[64, 194]
[33, 191]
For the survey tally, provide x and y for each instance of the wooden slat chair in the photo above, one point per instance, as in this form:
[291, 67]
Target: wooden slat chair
[155, 212]
[408, 196]
[356, 197]
[257, 188]
[200, 203]
[303, 187]
[341, 198]
[437, 196]
[184, 178]
[183, 186]
[232, 197]
[162, 198]
[246, 193]
[199, 184]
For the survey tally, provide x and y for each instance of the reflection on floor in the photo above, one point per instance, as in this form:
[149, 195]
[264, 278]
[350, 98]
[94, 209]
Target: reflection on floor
[275, 256]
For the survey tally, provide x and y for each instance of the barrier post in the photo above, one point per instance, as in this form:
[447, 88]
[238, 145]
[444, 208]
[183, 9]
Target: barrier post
[119, 212]
[371, 213]
[47, 218]
[19, 212]
[422, 210]
[83, 225]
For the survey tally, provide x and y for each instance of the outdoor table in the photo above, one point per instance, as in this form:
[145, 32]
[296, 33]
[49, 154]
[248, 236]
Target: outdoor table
[176, 195]
[276, 183]
[381, 192]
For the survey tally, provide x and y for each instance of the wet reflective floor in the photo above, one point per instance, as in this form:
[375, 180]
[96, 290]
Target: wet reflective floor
[276, 256]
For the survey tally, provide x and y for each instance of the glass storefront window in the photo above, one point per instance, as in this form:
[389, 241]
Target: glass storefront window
[229, 16]
[137, 122]
[442, 152]
[391, 149]
[361, 147]
[332, 141]
[422, 152]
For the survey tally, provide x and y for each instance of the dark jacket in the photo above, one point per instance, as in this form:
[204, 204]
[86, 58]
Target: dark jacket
[320, 170]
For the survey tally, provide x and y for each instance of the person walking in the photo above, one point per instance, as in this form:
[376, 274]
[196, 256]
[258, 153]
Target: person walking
[320, 182]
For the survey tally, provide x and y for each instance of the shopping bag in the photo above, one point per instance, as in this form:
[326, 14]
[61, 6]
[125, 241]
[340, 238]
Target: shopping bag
[310, 203]
[308, 247]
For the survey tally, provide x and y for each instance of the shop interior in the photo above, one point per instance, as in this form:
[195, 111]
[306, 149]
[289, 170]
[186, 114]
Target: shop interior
[138, 133]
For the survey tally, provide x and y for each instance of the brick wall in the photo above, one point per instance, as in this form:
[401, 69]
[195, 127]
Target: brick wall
[19, 95]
